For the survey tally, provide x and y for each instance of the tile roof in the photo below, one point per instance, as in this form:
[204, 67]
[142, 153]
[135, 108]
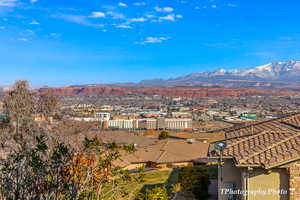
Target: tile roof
[168, 151]
[267, 144]
[272, 125]
[122, 137]
[293, 121]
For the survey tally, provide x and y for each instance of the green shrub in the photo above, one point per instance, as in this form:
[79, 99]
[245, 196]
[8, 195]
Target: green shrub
[157, 193]
[129, 148]
[163, 135]
[195, 180]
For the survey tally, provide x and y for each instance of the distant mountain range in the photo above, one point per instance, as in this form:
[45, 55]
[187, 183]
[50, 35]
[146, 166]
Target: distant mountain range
[275, 71]
[275, 75]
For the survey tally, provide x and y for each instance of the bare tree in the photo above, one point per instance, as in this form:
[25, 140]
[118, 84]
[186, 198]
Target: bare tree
[35, 165]
[47, 104]
[19, 105]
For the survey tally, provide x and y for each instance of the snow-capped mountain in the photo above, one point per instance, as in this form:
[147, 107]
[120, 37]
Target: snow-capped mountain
[289, 71]
[271, 75]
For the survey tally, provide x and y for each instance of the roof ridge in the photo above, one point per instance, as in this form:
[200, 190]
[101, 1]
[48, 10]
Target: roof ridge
[270, 164]
[270, 147]
[293, 121]
[163, 150]
[250, 125]
[252, 136]
[232, 129]
[280, 119]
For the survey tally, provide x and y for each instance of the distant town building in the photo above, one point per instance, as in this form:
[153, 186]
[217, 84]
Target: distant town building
[178, 123]
[148, 123]
[3, 116]
[106, 108]
[81, 106]
[85, 119]
[1, 106]
[102, 115]
[181, 114]
[122, 124]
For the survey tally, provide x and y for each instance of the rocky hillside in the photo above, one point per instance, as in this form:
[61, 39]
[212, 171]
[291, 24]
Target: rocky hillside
[167, 92]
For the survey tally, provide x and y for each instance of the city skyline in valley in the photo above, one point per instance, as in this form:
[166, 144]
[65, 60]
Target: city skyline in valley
[60, 43]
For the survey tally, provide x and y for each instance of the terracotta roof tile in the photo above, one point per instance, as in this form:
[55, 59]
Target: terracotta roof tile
[267, 143]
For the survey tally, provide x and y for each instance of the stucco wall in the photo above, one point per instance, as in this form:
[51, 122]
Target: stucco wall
[231, 176]
[294, 173]
[268, 185]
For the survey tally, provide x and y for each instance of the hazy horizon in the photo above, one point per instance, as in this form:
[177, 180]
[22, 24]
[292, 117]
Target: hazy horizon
[124, 81]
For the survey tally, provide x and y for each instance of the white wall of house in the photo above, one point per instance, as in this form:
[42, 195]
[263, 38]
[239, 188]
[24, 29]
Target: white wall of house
[231, 179]
[260, 183]
[273, 184]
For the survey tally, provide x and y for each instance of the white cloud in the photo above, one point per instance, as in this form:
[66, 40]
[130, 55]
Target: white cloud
[153, 40]
[122, 4]
[34, 23]
[8, 3]
[33, 1]
[115, 15]
[2, 27]
[139, 4]
[97, 15]
[214, 6]
[150, 16]
[140, 19]
[179, 16]
[55, 35]
[165, 9]
[231, 5]
[23, 39]
[108, 7]
[29, 32]
[74, 18]
[170, 17]
[78, 19]
[124, 26]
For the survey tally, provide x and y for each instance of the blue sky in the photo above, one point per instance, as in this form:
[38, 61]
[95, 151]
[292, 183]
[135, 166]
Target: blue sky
[63, 42]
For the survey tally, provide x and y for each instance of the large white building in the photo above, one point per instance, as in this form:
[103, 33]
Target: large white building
[149, 123]
[122, 124]
[178, 123]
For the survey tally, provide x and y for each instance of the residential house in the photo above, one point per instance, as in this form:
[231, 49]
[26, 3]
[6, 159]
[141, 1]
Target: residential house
[166, 153]
[261, 161]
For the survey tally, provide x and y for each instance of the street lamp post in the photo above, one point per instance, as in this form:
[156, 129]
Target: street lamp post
[220, 146]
